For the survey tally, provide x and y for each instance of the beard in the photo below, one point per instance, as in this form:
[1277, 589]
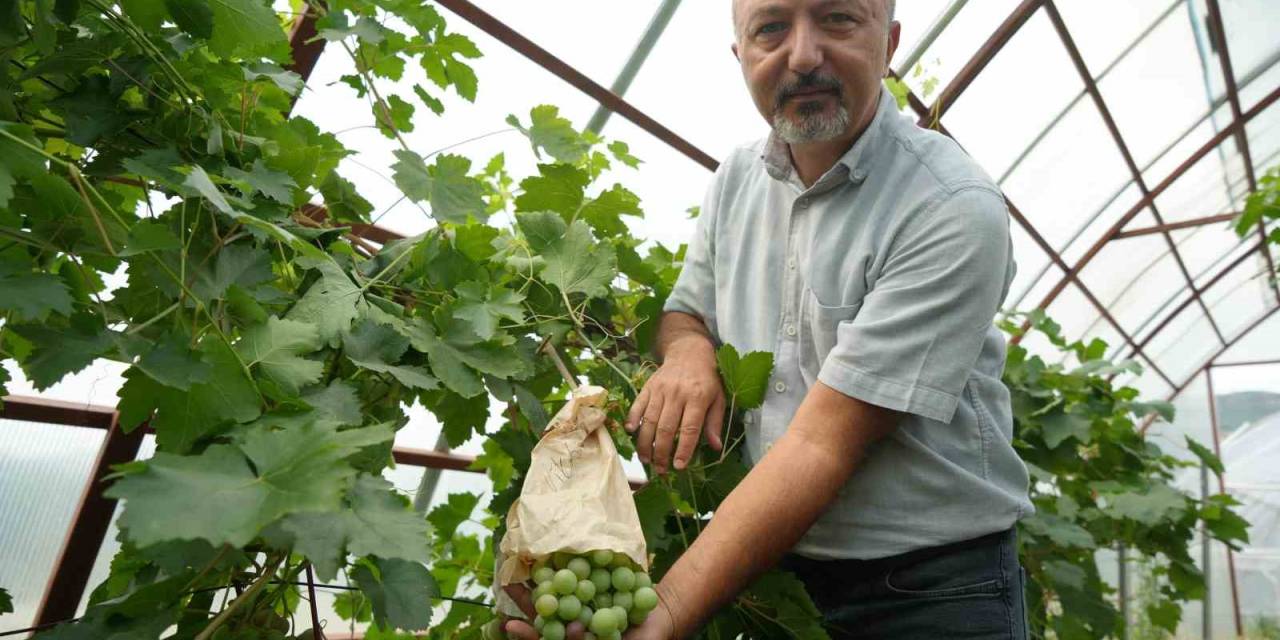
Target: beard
[812, 121]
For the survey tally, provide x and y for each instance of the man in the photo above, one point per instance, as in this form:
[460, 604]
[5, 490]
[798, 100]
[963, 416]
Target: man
[869, 256]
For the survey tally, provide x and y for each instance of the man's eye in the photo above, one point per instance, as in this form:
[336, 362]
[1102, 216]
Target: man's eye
[771, 28]
[840, 18]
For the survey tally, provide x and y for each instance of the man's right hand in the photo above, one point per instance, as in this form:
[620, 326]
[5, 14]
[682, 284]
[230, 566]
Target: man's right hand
[683, 397]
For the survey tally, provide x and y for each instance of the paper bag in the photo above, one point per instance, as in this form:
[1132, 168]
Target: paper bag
[575, 496]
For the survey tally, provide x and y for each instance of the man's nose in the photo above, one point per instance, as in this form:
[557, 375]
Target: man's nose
[806, 48]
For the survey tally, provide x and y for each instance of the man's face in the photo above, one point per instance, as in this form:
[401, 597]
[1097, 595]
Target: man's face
[814, 66]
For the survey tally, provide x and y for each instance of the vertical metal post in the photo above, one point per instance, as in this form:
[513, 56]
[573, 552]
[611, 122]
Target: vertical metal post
[430, 477]
[657, 25]
[1122, 564]
[1222, 488]
[1206, 622]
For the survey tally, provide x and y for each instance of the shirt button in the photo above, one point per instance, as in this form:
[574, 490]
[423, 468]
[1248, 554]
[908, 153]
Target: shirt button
[791, 331]
[791, 263]
[802, 203]
[779, 386]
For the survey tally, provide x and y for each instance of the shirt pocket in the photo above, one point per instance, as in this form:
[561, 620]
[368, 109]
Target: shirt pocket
[819, 331]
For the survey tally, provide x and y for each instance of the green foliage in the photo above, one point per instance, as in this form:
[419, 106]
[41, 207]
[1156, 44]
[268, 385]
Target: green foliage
[1262, 208]
[1099, 483]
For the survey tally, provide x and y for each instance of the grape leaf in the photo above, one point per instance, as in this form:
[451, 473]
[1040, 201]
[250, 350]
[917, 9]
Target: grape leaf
[342, 201]
[57, 352]
[377, 347]
[374, 521]
[192, 16]
[551, 133]
[19, 155]
[337, 402]
[171, 362]
[1060, 425]
[457, 357]
[276, 185]
[604, 213]
[6, 601]
[293, 471]
[495, 463]
[460, 416]
[445, 185]
[572, 260]
[245, 29]
[182, 418]
[1060, 531]
[746, 377]
[332, 303]
[149, 236]
[446, 516]
[482, 307]
[558, 187]
[1207, 457]
[276, 347]
[400, 591]
[1150, 507]
[30, 297]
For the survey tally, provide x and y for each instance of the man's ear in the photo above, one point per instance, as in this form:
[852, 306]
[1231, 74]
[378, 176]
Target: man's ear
[895, 35]
[734, 48]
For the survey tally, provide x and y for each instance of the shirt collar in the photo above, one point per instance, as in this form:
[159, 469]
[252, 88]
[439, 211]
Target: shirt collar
[855, 162]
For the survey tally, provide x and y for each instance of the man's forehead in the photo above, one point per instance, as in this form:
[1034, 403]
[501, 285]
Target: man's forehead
[746, 8]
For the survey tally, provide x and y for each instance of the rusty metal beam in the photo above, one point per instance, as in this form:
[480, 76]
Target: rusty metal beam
[1174, 226]
[1160, 188]
[1247, 363]
[60, 412]
[1059, 25]
[305, 51]
[89, 527]
[1222, 489]
[543, 58]
[979, 61]
[1218, 32]
[1209, 362]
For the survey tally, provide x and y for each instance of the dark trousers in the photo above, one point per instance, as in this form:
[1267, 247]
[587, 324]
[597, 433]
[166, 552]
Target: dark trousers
[970, 589]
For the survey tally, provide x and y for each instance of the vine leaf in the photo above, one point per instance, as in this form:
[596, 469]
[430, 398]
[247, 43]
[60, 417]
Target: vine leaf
[572, 260]
[297, 470]
[1206, 456]
[551, 133]
[1149, 507]
[182, 418]
[399, 590]
[149, 236]
[373, 521]
[171, 362]
[452, 194]
[30, 297]
[276, 347]
[457, 356]
[482, 307]
[58, 351]
[604, 214]
[447, 516]
[332, 303]
[277, 185]
[745, 377]
[558, 187]
[1061, 531]
[245, 29]
[378, 347]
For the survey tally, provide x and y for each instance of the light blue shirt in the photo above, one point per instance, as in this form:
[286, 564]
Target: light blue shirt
[881, 281]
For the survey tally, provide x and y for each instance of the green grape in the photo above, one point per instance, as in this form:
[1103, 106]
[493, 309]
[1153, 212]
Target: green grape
[570, 607]
[547, 605]
[543, 574]
[603, 579]
[539, 563]
[643, 580]
[601, 557]
[493, 630]
[645, 599]
[539, 622]
[604, 622]
[604, 600]
[620, 615]
[586, 590]
[543, 588]
[623, 579]
[637, 616]
[616, 635]
[554, 630]
[560, 559]
[622, 599]
[580, 567]
[589, 636]
[584, 616]
[620, 560]
[565, 582]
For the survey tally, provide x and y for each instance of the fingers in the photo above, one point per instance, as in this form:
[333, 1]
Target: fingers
[522, 597]
[649, 427]
[637, 410]
[715, 423]
[664, 438]
[695, 413]
[520, 630]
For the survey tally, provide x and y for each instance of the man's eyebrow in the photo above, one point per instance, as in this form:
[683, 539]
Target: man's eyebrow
[769, 10]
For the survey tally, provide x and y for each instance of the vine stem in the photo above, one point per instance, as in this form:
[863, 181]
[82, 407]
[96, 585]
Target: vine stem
[577, 328]
[550, 350]
[244, 598]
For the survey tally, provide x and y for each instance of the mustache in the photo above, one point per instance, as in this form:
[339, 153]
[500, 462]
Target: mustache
[807, 82]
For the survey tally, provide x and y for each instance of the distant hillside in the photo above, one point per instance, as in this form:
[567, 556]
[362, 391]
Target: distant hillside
[1235, 409]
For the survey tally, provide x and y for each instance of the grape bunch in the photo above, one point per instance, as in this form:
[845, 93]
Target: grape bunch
[604, 591]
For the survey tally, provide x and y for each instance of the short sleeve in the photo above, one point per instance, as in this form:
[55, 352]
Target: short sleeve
[695, 289]
[921, 327]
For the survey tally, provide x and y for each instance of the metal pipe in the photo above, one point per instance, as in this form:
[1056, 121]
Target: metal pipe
[939, 25]
[657, 25]
[430, 477]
